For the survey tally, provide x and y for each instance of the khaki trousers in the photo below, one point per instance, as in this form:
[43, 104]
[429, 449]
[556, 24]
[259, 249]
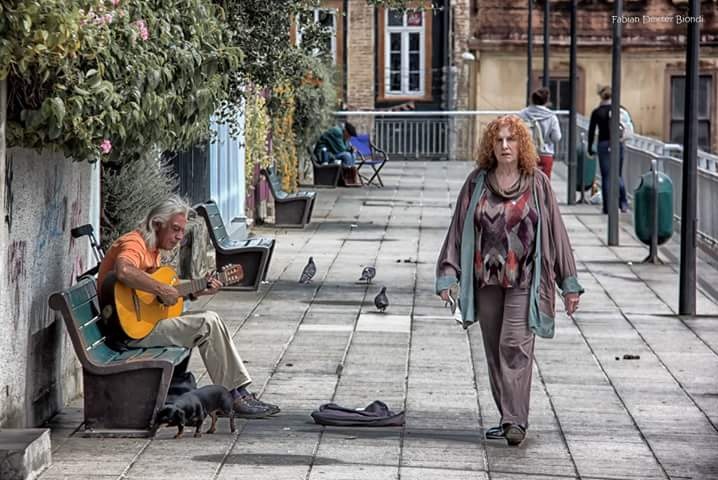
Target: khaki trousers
[509, 345]
[206, 331]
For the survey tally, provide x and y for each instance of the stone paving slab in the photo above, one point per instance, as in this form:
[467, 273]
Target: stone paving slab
[592, 416]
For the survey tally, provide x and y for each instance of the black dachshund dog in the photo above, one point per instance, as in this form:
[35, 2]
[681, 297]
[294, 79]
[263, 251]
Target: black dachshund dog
[191, 408]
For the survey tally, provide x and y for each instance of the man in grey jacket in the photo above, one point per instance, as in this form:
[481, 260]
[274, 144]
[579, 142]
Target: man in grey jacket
[538, 116]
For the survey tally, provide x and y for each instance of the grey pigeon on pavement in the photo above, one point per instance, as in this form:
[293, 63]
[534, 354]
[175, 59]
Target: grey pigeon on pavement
[309, 270]
[381, 300]
[367, 274]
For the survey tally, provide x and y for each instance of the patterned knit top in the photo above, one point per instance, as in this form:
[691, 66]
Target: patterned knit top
[505, 239]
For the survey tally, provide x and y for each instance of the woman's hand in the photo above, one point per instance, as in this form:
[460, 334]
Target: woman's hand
[570, 301]
[444, 295]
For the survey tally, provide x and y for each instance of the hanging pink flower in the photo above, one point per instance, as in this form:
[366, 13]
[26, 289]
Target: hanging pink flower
[142, 28]
[106, 146]
[115, 2]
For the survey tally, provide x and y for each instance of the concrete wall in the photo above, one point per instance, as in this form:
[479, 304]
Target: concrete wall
[45, 195]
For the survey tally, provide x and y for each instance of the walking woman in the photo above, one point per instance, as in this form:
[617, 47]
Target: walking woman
[601, 118]
[507, 248]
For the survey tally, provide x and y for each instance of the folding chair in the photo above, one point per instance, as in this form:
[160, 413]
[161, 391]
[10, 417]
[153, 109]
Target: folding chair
[370, 155]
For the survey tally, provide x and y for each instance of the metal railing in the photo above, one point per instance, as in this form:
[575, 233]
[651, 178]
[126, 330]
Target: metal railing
[640, 151]
[432, 135]
[440, 135]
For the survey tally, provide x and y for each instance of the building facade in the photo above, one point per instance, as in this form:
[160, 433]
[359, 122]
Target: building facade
[408, 60]
[652, 67]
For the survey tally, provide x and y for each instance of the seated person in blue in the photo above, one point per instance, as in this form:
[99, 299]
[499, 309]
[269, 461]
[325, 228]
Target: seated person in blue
[333, 147]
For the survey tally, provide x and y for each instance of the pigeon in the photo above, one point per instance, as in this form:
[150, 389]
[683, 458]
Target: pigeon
[309, 270]
[367, 274]
[381, 301]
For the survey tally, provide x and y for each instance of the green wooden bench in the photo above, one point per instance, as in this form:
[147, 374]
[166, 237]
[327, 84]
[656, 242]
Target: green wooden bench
[325, 174]
[123, 389]
[291, 209]
[253, 254]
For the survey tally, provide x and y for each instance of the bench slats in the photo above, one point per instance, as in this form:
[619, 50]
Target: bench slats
[90, 323]
[253, 254]
[96, 343]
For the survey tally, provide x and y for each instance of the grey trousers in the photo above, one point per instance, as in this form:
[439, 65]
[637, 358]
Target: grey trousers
[206, 331]
[509, 345]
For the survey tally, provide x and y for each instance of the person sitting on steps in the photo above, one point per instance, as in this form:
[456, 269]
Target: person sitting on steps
[333, 146]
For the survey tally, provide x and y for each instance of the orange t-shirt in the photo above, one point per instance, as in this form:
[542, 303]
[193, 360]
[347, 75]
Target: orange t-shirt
[131, 247]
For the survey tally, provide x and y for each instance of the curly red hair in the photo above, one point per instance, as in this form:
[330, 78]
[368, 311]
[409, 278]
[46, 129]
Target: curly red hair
[528, 158]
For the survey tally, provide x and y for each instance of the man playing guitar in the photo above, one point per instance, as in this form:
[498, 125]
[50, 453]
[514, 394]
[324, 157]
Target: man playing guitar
[132, 258]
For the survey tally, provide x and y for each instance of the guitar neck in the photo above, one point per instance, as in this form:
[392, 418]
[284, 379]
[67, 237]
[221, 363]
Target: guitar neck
[190, 287]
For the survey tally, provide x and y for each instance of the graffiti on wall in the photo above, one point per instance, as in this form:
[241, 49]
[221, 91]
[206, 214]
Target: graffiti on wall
[16, 274]
[54, 214]
[8, 192]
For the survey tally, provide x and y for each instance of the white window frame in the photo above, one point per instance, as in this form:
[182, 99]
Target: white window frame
[404, 30]
[332, 30]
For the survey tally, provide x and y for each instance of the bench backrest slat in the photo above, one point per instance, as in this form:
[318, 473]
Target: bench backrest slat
[81, 301]
[275, 183]
[218, 231]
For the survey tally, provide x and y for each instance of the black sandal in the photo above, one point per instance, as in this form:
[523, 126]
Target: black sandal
[495, 433]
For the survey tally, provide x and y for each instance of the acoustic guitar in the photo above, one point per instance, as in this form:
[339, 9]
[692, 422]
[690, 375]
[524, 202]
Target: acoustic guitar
[137, 312]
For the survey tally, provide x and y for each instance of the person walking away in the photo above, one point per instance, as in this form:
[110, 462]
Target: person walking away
[601, 119]
[506, 249]
[544, 127]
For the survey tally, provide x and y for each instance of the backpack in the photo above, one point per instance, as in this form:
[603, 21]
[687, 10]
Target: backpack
[534, 128]
[625, 125]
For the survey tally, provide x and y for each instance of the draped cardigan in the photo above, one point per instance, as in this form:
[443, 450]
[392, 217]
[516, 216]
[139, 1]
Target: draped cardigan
[553, 265]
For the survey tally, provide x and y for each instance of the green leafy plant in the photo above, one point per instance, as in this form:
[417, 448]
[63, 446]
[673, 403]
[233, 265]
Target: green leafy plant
[130, 190]
[315, 96]
[110, 79]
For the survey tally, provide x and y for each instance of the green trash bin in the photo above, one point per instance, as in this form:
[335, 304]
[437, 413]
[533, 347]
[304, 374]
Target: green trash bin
[643, 202]
[589, 163]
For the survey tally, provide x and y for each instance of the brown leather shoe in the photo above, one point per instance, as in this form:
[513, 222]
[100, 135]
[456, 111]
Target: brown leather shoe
[248, 407]
[273, 409]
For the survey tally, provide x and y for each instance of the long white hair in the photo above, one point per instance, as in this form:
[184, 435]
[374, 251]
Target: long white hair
[159, 215]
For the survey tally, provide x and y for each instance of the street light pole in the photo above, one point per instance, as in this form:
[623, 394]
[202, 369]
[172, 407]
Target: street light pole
[572, 115]
[687, 279]
[614, 165]
[546, 36]
[529, 53]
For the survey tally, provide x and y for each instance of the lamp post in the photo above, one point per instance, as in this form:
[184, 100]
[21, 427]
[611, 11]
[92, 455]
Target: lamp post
[546, 36]
[687, 278]
[529, 53]
[572, 114]
[615, 159]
